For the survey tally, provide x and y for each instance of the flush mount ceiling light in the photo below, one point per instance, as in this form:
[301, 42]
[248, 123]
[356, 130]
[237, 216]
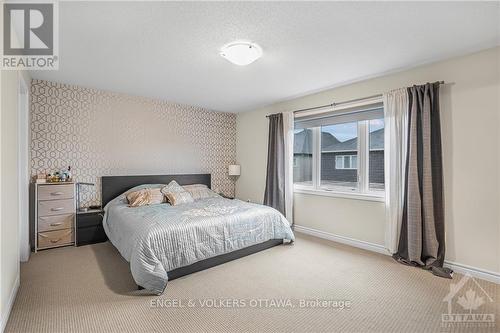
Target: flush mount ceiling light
[241, 53]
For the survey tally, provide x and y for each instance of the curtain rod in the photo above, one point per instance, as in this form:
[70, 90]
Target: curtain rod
[340, 103]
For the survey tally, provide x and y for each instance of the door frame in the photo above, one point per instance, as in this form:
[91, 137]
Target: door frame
[23, 165]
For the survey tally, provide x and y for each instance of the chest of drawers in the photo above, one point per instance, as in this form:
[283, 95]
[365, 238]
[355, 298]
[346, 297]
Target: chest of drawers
[55, 215]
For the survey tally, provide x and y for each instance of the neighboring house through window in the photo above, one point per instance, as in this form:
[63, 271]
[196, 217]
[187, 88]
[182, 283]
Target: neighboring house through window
[346, 162]
[341, 151]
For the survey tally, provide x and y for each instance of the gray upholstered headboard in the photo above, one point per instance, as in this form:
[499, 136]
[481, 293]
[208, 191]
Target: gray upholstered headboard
[113, 186]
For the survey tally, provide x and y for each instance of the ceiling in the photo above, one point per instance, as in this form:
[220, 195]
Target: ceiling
[169, 50]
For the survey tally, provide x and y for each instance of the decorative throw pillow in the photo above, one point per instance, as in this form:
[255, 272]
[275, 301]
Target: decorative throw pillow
[176, 194]
[146, 196]
[200, 191]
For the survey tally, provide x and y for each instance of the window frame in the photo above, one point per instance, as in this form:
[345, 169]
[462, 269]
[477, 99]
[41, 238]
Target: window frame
[343, 158]
[362, 192]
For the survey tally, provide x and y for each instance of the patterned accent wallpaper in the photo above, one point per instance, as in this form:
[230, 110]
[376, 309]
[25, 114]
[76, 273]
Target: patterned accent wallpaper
[100, 133]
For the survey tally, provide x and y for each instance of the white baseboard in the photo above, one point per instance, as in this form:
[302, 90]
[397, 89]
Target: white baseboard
[342, 239]
[456, 267]
[9, 305]
[473, 271]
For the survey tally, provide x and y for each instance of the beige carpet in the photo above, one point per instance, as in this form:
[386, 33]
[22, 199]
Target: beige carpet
[90, 289]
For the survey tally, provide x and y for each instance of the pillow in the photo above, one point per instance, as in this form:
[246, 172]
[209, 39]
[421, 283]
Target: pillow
[195, 186]
[141, 187]
[200, 191]
[176, 194]
[146, 196]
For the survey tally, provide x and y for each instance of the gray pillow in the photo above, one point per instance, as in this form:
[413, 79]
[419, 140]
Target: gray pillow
[200, 191]
[176, 194]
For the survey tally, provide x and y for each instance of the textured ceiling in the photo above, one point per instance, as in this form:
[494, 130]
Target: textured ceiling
[170, 50]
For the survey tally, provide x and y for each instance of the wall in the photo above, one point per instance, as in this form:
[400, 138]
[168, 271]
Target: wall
[9, 215]
[9, 197]
[470, 127]
[2, 306]
[9, 191]
[3, 315]
[101, 133]
[329, 170]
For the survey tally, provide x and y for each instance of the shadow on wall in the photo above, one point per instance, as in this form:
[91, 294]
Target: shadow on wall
[447, 131]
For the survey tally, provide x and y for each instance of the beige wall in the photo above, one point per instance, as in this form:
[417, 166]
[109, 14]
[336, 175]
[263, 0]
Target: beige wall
[9, 189]
[498, 151]
[2, 306]
[471, 145]
[9, 192]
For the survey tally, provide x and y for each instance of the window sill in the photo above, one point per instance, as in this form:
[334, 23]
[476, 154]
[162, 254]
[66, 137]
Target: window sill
[344, 195]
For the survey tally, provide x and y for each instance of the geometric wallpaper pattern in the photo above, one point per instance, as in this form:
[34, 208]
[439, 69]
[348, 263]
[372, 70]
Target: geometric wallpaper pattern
[100, 133]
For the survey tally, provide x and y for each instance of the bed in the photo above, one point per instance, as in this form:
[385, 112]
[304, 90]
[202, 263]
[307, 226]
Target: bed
[163, 242]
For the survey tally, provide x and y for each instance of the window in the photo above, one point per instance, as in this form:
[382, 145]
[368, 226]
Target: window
[346, 162]
[341, 152]
[339, 157]
[302, 157]
[376, 155]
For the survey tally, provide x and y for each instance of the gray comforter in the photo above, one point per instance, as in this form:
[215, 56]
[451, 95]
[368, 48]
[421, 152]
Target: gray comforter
[159, 238]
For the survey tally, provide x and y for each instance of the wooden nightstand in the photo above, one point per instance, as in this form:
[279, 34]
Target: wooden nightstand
[89, 229]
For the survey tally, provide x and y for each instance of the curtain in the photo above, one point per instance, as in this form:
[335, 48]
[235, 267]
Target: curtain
[422, 238]
[396, 138]
[274, 195]
[288, 126]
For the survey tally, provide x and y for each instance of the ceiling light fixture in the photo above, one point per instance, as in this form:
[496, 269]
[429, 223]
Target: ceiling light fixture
[241, 53]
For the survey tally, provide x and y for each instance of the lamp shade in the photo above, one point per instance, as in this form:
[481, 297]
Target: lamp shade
[234, 170]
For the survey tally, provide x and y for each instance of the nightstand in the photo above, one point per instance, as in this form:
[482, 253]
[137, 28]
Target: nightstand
[54, 215]
[89, 229]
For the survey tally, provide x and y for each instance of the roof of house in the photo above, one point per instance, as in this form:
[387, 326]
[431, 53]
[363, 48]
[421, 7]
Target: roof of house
[329, 143]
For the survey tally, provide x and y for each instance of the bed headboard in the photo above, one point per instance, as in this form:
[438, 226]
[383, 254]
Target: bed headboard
[113, 186]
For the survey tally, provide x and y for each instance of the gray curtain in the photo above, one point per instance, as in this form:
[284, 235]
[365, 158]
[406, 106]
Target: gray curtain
[422, 238]
[274, 195]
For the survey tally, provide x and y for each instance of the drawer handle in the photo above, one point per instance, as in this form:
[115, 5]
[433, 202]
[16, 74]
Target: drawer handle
[53, 241]
[57, 193]
[55, 224]
[57, 209]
